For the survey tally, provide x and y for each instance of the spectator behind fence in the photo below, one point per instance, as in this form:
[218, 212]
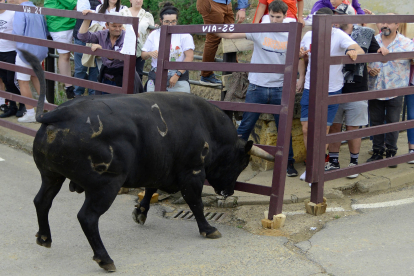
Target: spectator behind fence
[181, 49]
[217, 12]
[30, 25]
[61, 30]
[340, 43]
[409, 99]
[107, 7]
[8, 54]
[112, 38]
[266, 88]
[294, 13]
[354, 114]
[145, 20]
[393, 74]
[81, 72]
[333, 4]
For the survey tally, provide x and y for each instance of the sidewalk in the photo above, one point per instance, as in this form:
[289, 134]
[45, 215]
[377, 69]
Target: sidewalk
[295, 190]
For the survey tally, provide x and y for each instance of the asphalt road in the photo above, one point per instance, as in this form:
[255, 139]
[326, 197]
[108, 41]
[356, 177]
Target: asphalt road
[376, 242]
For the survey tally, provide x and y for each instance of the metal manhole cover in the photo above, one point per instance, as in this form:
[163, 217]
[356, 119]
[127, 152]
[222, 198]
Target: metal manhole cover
[188, 215]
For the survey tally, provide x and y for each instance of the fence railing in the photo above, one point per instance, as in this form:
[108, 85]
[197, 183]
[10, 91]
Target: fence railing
[289, 69]
[319, 101]
[129, 60]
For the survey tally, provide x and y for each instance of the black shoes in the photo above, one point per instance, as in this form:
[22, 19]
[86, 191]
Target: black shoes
[332, 166]
[69, 92]
[377, 155]
[21, 111]
[9, 111]
[390, 153]
[291, 171]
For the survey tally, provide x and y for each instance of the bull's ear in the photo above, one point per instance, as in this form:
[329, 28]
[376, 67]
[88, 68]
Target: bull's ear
[248, 146]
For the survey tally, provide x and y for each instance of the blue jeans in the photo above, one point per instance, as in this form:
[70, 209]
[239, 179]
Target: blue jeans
[261, 95]
[80, 71]
[409, 99]
[106, 81]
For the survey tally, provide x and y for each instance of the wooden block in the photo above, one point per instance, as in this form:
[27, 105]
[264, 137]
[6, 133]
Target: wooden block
[154, 198]
[267, 223]
[316, 209]
[278, 221]
[236, 45]
[266, 214]
[123, 191]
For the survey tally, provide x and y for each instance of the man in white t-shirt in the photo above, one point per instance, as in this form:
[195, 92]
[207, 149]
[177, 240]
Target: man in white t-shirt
[8, 54]
[266, 88]
[341, 44]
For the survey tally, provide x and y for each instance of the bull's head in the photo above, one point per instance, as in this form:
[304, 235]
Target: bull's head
[224, 177]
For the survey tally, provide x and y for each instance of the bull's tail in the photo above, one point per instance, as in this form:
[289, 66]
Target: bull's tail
[37, 68]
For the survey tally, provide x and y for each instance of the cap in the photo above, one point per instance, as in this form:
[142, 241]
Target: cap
[345, 9]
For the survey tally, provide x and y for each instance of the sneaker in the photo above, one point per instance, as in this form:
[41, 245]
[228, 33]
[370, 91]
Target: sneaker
[3, 107]
[303, 176]
[332, 166]
[69, 92]
[377, 155]
[27, 118]
[21, 111]
[352, 175]
[291, 171]
[412, 161]
[210, 80]
[391, 153]
[10, 111]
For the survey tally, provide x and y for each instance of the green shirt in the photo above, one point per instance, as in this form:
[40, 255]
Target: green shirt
[57, 23]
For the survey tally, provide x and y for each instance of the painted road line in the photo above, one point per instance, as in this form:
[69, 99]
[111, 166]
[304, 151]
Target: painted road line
[1, 159]
[383, 204]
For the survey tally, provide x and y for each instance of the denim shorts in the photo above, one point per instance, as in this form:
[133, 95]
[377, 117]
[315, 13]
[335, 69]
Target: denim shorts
[304, 102]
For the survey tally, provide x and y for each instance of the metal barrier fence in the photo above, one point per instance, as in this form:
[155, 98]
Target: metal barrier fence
[276, 191]
[319, 101]
[129, 60]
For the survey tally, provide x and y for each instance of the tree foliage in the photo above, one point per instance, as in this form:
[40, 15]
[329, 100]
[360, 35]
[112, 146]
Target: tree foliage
[188, 10]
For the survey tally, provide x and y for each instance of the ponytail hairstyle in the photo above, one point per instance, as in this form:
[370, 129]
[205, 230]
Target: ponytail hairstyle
[168, 8]
[105, 6]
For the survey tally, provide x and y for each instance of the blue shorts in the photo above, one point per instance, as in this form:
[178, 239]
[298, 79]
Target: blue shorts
[304, 102]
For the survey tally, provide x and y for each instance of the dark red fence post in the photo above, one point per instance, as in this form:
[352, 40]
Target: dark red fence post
[163, 55]
[129, 65]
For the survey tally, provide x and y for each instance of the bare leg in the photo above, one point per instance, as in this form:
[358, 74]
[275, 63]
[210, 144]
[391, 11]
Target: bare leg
[64, 66]
[25, 91]
[354, 144]
[36, 84]
[51, 185]
[335, 128]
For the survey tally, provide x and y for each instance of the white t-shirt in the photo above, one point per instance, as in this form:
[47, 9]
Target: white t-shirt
[179, 44]
[102, 23]
[340, 41]
[6, 26]
[269, 48]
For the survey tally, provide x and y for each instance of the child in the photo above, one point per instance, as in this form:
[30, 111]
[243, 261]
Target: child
[294, 7]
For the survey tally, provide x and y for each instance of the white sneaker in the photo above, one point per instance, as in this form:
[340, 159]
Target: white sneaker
[303, 176]
[352, 175]
[411, 162]
[27, 118]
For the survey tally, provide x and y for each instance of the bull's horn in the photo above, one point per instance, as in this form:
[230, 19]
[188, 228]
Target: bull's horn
[256, 151]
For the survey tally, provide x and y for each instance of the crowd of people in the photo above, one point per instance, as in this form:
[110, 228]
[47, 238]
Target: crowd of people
[264, 88]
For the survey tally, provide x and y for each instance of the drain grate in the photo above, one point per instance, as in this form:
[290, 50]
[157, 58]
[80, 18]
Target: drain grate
[188, 215]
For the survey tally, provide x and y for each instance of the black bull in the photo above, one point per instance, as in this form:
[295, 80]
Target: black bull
[167, 141]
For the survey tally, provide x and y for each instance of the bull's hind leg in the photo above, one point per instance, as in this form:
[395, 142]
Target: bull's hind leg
[140, 212]
[51, 185]
[192, 195]
[97, 202]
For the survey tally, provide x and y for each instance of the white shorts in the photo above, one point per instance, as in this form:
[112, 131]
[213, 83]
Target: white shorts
[63, 36]
[354, 114]
[21, 76]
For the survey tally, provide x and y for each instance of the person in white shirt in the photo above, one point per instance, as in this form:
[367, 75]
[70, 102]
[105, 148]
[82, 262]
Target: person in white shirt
[341, 44]
[145, 20]
[181, 49]
[8, 54]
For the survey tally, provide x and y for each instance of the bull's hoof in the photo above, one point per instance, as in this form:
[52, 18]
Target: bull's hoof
[43, 240]
[138, 216]
[110, 267]
[215, 235]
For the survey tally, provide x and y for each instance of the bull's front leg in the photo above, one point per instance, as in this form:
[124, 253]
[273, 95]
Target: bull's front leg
[141, 210]
[192, 195]
[51, 185]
